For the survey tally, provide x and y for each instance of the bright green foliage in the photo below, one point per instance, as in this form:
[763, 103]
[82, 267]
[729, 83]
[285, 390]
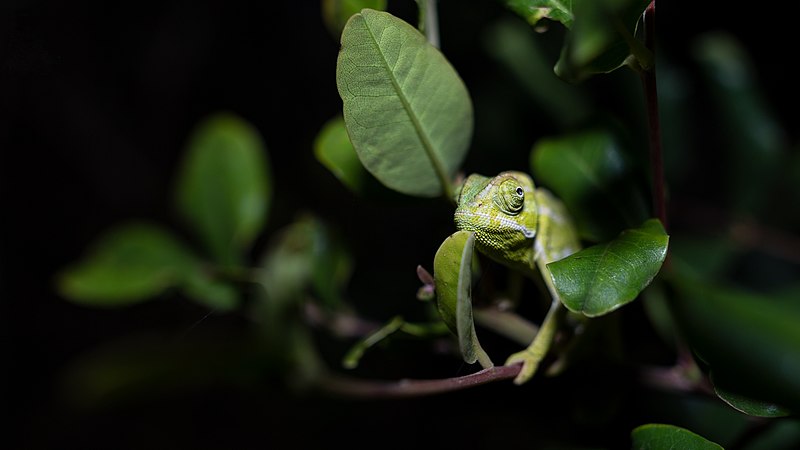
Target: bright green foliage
[407, 112]
[589, 172]
[333, 149]
[600, 279]
[336, 13]
[223, 189]
[667, 437]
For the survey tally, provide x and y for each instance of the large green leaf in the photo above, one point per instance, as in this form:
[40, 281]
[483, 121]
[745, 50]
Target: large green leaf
[654, 436]
[589, 172]
[408, 114]
[130, 264]
[750, 341]
[452, 271]
[600, 279]
[223, 188]
[749, 406]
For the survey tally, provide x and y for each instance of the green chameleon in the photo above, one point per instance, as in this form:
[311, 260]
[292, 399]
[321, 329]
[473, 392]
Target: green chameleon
[523, 228]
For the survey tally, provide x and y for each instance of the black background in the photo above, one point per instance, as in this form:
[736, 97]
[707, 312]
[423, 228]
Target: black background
[96, 101]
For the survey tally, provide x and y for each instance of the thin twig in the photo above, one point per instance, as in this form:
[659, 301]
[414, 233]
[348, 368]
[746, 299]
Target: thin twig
[353, 387]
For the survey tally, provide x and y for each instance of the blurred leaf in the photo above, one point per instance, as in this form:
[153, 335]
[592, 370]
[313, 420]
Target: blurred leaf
[655, 304]
[747, 405]
[703, 256]
[750, 341]
[665, 437]
[600, 279]
[145, 367]
[535, 10]
[217, 294]
[223, 188]
[589, 173]
[335, 13]
[334, 150]
[452, 271]
[781, 434]
[130, 264]
[601, 38]
[515, 46]
[407, 112]
[750, 129]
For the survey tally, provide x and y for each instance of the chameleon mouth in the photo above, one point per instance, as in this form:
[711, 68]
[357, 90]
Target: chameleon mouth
[487, 223]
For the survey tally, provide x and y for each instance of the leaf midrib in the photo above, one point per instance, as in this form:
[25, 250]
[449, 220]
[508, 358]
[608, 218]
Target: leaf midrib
[426, 143]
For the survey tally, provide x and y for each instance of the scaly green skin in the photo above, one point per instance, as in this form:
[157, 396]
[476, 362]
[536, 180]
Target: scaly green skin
[524, 228]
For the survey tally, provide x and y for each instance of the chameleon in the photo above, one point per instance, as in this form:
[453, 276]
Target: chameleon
[523, 228]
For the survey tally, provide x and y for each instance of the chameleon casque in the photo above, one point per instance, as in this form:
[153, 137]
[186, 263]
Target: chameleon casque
[523, 228]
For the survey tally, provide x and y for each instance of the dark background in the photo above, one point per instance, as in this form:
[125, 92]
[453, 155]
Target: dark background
[96, 102]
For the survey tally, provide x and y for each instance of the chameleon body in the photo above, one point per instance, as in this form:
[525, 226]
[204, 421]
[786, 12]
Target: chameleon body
[523, 228]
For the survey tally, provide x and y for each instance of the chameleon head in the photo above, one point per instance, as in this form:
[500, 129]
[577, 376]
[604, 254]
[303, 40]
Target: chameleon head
[502, 212]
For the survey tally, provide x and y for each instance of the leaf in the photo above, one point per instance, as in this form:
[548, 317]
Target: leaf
[665, 437]
[601, 39]
[600, 279]
[590, 174]
[517, 48]
[535, 10]
[748, 405]
[452, 271]
[752, 134]
[223, 188]
[217, 294]
[333, 149]
[750, 341]
[408, 114]
[335, 13]
[128, 265]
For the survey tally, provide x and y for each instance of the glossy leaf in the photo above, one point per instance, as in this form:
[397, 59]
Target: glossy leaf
[601, 278]
[535, 10]
[223, 189]
[589, 172]
[665, 437]
[751, 342]
[335, 13]
[452, 271]
[601, 38]
[130, 264]
[333, 149]
[748, 405]
[407, 112]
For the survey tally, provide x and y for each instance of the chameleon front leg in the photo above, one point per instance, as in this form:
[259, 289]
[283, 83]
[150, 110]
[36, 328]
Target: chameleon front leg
[556, 239]
[536, 351]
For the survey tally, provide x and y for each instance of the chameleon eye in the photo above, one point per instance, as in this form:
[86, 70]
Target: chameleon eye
[510, 197]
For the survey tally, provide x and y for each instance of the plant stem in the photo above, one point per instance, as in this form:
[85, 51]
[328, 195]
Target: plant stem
[653, 123]
[353, 387]
[429, 21]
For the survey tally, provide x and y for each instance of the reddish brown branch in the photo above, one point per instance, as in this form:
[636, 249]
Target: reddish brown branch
[353, 387]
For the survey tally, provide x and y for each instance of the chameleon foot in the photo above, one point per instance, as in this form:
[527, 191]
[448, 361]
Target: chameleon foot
[530, 362]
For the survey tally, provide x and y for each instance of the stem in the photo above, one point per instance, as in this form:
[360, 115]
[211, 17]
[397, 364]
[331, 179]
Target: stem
[429, 21]
[353, 387]
[507, 323]
[653, 123]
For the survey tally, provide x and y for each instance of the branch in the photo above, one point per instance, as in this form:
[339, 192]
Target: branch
[353, 387]
[654, 125]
